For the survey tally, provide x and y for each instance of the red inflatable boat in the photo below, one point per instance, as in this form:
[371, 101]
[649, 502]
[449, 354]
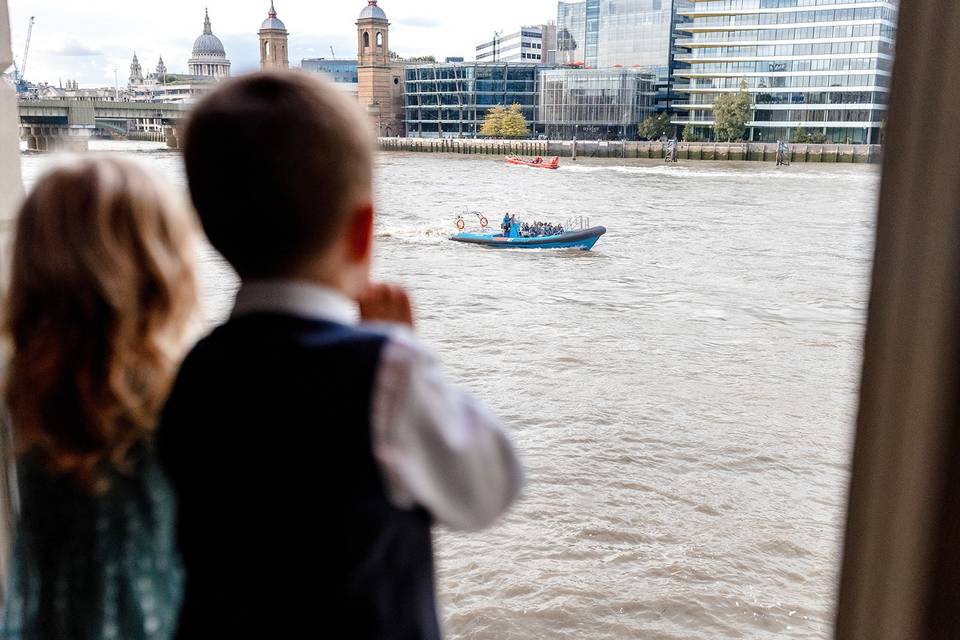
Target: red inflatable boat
[553, 163]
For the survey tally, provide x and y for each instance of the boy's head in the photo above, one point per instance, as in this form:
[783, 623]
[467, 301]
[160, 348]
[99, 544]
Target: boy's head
[280, 168]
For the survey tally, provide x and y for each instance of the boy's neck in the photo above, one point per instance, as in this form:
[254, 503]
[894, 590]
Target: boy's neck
[334, 269]
[344, 281]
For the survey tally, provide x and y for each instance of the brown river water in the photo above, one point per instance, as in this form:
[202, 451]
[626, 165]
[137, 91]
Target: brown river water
[683, 396]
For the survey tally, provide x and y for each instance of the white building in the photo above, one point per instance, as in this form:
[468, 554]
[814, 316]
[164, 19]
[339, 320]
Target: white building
[529, 44]
[821, 66]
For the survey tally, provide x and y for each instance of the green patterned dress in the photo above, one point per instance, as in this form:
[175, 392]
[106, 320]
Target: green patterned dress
[93, 566]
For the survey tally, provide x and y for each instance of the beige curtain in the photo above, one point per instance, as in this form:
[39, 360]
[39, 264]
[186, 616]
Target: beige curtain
[10, 193]
[901, 570]
[10, 187]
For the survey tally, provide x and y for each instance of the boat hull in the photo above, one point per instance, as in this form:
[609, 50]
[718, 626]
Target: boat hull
[553, 164]
[582, 239]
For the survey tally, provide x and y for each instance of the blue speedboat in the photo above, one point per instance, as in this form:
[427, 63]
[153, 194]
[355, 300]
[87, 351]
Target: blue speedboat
[578, 239]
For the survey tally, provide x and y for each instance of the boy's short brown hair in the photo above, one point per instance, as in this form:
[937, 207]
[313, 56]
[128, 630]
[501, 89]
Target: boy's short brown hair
[275, 163]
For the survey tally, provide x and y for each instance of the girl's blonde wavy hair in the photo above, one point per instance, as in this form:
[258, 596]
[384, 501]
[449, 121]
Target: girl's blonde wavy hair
[102, 290]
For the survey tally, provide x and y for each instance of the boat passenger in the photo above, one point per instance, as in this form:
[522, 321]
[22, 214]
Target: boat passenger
[514, 228]
[538, 160]
[505, 225]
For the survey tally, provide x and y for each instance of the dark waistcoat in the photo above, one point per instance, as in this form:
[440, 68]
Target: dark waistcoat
[284, 524]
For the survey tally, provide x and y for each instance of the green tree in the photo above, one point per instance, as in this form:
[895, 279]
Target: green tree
[417, 59]
[655, 127]
[501, 122]
[801, 135]
[731, 113]
[690, 133]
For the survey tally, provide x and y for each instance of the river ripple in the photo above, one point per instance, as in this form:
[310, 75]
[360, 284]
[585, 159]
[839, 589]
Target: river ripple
[683, 396]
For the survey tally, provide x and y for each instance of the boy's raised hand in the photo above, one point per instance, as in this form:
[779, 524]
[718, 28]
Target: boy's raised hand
[386, 303]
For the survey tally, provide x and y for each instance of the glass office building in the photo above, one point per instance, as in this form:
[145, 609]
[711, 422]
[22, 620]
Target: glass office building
[452, 100]
[595, 104]
[818, 65]
[571, 33]
[599, 34]
[338, 70]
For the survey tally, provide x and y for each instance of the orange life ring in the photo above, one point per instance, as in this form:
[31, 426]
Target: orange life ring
[460, 224]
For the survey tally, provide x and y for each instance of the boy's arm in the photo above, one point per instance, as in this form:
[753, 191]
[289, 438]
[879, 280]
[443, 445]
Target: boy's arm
[438, 447]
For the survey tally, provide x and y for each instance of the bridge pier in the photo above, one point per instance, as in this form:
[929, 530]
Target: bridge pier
[56, 137]
[172, 134]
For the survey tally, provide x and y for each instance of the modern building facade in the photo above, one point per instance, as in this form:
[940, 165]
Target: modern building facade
[452, 100]
[529, 44]
[341, 71]
[572, 32]
[596, 104]
[379, 78]
[637, 34]
[549, 43]
[274, 38]
[209, 60]
[817, 65]
[338, 70]
[610, 33]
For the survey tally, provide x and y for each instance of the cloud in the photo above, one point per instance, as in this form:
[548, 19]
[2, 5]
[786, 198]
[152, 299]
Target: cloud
[76, 49]
[243, 51]
[318, 46]
[423, 23]
[86, 41]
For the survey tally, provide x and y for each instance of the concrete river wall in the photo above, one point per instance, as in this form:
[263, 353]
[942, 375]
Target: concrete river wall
[743, 151]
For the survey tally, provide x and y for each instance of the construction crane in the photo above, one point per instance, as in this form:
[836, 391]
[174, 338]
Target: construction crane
[332, 54]
[26, 47]
[20, 73]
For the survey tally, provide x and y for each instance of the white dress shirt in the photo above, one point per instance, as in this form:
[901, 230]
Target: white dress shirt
[436, 446]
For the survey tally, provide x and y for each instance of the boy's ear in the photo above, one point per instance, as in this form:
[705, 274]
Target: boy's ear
[360, 233]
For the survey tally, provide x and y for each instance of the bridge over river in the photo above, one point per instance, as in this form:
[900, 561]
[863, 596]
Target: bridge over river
[68, 124]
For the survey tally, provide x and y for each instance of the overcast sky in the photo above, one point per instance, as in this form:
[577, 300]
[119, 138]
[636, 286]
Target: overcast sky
[87, 40]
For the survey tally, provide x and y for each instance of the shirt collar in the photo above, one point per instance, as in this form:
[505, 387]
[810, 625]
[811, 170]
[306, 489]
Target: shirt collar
[297, 298]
